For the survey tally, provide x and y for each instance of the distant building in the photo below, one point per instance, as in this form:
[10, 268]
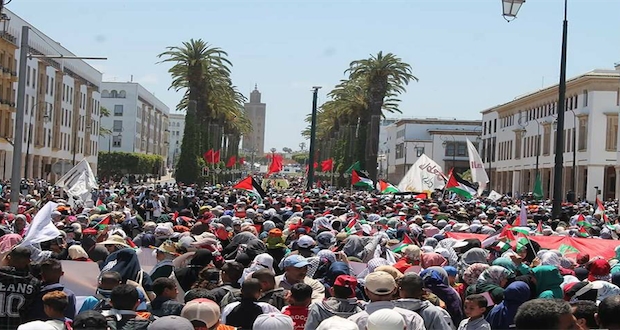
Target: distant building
[176, 126]
[138, 120]
[516, 132]
[255, 111]
[442, 140]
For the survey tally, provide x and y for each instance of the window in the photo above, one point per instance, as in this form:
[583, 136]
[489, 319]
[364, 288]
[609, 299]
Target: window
[419, 151]
[518, 137]
[122, 94]
[116, 141]
[461, 149]
[400, 151]
[28, 77]
[400, 133]
[113, 94]
[47, 85]
[547, 139]
[611, 135]
[52, 87]
[118, 126]
[118, 110]
[583, 134]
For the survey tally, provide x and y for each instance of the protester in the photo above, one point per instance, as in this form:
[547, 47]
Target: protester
[299, 298]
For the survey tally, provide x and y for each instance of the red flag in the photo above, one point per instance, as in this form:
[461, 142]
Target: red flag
[507, 233]
[175, 215]
[276, 164]
[216, 157]
[421, 196]
[231, 161]
[99, 202]
[327, 165]
[241, 160]
[539, 228]
[407, 239]
[208, 156]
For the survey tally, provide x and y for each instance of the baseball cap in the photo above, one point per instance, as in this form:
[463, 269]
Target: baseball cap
[296, 261]
[347, 281]
[385, 319]
[337, 322]
[203, 310]
[171, 322]
[380, 283]
[273, 321]
[305, 242]
[90, 320]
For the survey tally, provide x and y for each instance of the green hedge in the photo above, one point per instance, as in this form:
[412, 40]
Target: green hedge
[121, 163]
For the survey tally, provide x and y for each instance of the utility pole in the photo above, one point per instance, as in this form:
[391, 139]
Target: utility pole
[312, 139]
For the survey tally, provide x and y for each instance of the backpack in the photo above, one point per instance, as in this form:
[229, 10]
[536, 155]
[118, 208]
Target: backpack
[232, 296]
[128, 324]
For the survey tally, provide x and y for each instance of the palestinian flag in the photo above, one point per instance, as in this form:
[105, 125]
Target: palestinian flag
[360, 179]
[522, 242]
[521, 230]
[355, 167]
[539, 228]
[386, 187]
[249, 184]
[583, 232]
[502, 246]
[459, 186]
[600, 209]
[350, 228]
[99, 202]
[581, 221]
[106, 221]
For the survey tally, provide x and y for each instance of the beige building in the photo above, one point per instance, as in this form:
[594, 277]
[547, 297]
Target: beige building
[515, 133]
[255, 111]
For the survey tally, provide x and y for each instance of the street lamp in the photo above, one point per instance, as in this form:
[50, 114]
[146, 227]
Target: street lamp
[511, 8]
[315, 94]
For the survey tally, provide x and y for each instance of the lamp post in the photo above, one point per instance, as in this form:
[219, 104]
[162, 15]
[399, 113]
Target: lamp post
[510, 10]
[310, 182]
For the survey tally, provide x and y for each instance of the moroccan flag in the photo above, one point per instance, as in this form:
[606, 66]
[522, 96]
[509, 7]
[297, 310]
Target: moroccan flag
[249, 184]
[350, 228]
[216, 157]
[360, 179]
[327, 165]
[356, 166]
[387, 188]
[567, 249]
[539, 228]
[276, 164]
[208, 156]
[459, 186]
[241, 160]
[582, 222]
[231, 161]
[538, 189]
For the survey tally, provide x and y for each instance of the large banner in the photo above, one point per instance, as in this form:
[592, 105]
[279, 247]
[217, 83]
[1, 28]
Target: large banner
[423, 176]
[592, 246]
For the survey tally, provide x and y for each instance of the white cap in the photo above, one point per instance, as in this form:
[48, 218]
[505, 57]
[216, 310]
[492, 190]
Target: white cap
[305, 242]
[385, 319]
[337, 322]
[273, 321]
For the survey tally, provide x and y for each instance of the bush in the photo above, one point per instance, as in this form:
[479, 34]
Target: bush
[122, 163]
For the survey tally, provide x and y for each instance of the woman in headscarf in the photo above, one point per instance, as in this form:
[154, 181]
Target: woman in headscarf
[447, 244]
[431, 241]
[493, 280]
[436, 282]
[125, 262]
[320, 263]
[354, 248]
[8, 241]
[77, 253]
[503, 314]
[548, 280]
[262, 261]
[187, 276]
[430, 259]
[474, 255]
[509, 264]
[471, 274]
[605, 290]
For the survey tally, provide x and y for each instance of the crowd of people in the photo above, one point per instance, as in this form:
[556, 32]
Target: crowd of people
[293, 260]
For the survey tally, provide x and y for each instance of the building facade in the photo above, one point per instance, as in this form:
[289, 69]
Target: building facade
[519, 137]
[138, 121]
[62, 105]
[256, 113]
[176, 126]
[442, 140]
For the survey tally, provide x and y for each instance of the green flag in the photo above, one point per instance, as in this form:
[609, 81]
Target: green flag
[538, 190]
[356, 166]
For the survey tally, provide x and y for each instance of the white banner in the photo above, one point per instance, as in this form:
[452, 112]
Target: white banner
[78, 183]
[81, 277]
[478, 174]
[41, 228]
[494, 195]
[424, 176]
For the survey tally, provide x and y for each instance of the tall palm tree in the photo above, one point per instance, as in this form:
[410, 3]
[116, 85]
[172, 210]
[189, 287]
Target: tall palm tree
[384, 76]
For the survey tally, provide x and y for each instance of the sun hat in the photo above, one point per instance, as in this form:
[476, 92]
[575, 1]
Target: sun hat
[380, 283]
[203, 310]
[114, 240]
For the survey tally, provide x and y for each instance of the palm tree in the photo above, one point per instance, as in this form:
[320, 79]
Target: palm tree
[383, 76]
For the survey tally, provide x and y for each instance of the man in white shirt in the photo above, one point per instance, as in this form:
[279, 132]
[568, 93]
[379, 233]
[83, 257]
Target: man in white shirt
[380, 287]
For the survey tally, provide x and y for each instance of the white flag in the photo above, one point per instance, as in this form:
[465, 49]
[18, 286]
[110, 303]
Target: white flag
[424, 176]
[478, 174]
[41, 228]
[494, 195]
[78, 182]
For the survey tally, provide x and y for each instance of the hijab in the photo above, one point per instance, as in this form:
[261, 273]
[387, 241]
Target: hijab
[125, 262]
[506, 263]
[354, 247]
[187, 276]
[502, 315]
[8, 241]
[471, 274]
[262, 261]
[431, 259]
[474, 255]
[548, 281]
[494, 275]
[434, 281]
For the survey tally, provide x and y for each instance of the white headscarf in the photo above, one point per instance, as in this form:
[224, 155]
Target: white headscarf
[261, 261]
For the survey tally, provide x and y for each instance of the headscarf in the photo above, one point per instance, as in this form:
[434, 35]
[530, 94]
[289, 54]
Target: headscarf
[471, 274]
[494, 275]
[321, 222]
[262, 261]
[354, 247]
[431, 259]
[8, 241]
[430, 241]
[442, 272]
[77, 252]
[320, 263]
[125, 261]
[474, 255]
[606, 289]
[548, 280]
[187, 276]
[447, 244]
[502, 316]
[336, 269]
[550, 258]
[599, 270]
[434, 281]
[506, 263]
[370, 267]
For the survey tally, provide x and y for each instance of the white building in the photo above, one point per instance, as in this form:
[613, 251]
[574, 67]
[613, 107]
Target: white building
[442, 140]
[138, 120]
[61, 106]
[516, 132]
[176, 126]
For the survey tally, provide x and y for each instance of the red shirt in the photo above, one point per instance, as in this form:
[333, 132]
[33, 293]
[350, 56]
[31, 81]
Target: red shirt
[299, 314]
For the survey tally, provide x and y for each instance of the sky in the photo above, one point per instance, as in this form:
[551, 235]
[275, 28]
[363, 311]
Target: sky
[466, 56]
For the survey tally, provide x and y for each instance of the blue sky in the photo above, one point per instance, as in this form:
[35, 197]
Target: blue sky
[466, 56]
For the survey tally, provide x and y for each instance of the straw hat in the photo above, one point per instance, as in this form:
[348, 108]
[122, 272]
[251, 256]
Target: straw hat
[114, 240]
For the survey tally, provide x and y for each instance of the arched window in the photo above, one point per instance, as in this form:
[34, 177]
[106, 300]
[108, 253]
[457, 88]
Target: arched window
[105, 93]
[122, 94]
[114, 94]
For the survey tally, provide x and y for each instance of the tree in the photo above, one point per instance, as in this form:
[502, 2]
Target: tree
[302, 146]
[287, 150]
[104, 113]
[382, 76]
[300, 158]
